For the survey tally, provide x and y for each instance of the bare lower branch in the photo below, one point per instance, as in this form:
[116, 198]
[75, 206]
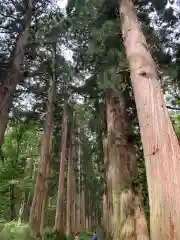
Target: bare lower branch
[173, 108]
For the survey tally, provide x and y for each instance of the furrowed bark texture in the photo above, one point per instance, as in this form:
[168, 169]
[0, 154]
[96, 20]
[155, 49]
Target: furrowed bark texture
[8, 88]
[59, 223]
[123, 217]
[107, 197]
[45, 199]
[140, 218]
[37, 207]
[160, 144]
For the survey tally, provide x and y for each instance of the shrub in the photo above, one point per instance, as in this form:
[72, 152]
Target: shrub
[11, 231]
[50, 234]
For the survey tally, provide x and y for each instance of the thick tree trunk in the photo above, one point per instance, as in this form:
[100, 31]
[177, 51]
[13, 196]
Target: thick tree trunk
[8, 88]
[123, 218]
[141, 223]
[140, 218]
[59, 222]
[160, 144]
[44, 164]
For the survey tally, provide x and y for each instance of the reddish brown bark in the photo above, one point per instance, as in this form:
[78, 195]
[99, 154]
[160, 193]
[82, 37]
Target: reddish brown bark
[107, 196]
[141, 223]
[45, 199]
[7, 90]
[59, 222]
[37, 209]
[160, 144]
[82, 190]
[69, 194]
[73, 219]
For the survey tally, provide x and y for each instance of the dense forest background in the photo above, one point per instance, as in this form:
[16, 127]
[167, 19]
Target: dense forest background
[89, 119]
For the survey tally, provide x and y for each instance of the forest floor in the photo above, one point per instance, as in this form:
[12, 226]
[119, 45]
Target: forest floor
[13, 231]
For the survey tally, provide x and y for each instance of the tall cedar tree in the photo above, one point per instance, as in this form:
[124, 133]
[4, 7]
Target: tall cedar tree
[160, 144]
[59, 222]
[38, 204]
[8, 88]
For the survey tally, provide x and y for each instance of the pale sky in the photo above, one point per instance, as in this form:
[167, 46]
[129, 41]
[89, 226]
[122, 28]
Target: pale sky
[62, 3]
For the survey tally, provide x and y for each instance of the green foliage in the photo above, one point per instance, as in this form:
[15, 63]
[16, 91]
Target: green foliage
[19, 152]
[13, 231]
[50, 234]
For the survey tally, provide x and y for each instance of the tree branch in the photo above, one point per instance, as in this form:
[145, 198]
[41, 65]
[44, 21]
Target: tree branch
[173, 108]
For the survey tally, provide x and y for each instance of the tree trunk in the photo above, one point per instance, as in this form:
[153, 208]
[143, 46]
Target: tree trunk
[44, 164]
[141, 223]
[73, 219]
[8, 88]
[83, 219]
[123, 218]
[22, 208]
[78, 212]
[32, 173]
[78, 180]
[69, 192]
[59, 223]
[45, 199]
[13, 202]
[107, 201]
[82, 188]
[160, 144]
[140, 218]
[90, 211]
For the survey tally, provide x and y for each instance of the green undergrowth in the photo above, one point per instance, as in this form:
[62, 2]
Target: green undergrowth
[85, 235]
[13, 231]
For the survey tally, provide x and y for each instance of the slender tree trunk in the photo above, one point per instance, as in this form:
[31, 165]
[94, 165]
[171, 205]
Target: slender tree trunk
[83, 220]
[82, 189]
[90, 211]
[59, 223]
[104, 213]
[107, 192]
[78, 212]
[160, 144]
[45, 199]
[44, 165]
[78, 194]
[22, 208]
[13, 202]
[73, 219]
[7, 90]
[87, 224]
[33, 170]
[69, 192]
